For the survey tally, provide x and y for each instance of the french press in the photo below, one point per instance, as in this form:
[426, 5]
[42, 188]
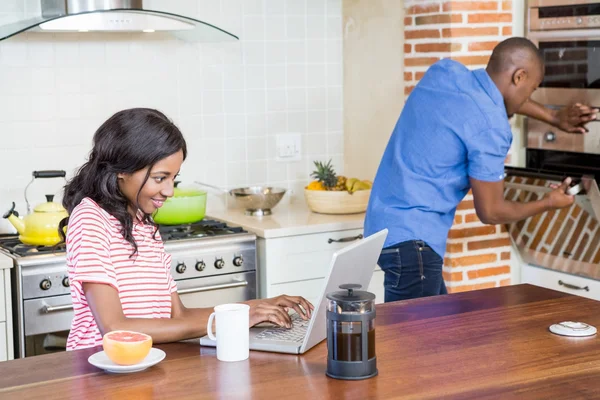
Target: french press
[351, 334]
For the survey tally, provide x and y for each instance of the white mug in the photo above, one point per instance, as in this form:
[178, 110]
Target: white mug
[233, 334]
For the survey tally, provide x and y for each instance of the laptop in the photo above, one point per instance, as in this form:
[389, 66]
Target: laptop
[352, 264]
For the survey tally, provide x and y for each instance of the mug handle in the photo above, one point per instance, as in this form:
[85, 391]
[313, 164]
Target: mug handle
[211, 335]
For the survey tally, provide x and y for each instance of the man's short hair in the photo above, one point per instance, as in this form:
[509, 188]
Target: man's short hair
[502, 55]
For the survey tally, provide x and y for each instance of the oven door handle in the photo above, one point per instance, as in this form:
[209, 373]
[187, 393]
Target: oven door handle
[46, 309]
[213, 287]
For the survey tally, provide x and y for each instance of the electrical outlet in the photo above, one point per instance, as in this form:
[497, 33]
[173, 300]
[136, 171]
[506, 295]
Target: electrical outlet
[289, 147]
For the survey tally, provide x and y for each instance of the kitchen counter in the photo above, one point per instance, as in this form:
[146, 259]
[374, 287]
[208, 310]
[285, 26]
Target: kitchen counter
[287, 220]
[5, 261]
[495, 344]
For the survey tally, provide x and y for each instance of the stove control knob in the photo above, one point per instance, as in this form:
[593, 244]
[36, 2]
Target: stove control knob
[579, 20]
[45, 284]
[180, 268]
[65, 281]
[200, 265]
[219, 263]
[550, 136]
[238, 261]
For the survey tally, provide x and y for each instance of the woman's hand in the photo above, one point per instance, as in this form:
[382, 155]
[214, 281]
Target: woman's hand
[275, 310]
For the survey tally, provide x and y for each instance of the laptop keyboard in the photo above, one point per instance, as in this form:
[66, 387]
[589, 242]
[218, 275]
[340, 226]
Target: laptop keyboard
[295, 334]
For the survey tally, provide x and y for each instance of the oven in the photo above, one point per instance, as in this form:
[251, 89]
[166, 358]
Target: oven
[566, 241]
[212, 264]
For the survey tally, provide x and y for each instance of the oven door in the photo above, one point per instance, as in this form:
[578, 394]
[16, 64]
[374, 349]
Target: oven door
[567, 239]
[215, 290]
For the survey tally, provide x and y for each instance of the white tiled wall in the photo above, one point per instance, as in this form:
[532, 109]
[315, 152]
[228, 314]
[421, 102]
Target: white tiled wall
[284, 75]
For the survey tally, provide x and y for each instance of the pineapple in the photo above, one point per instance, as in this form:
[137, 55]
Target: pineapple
[325, 173]
[341, 183]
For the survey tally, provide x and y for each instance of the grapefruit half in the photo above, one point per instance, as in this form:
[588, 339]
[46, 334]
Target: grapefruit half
[126, 347]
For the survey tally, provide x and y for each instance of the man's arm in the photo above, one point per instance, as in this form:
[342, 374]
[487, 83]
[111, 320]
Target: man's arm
[492, 208]
[571, 118]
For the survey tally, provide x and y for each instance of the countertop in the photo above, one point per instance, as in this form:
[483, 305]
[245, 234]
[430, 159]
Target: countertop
[287, 219]
[494, 343]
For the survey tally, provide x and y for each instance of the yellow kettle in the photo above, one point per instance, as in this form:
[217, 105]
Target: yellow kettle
[40, 228]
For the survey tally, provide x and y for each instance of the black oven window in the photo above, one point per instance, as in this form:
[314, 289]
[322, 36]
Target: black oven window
[574, 64]
[577, 10]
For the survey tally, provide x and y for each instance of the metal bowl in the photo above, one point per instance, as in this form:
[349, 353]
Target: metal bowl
[257, 200]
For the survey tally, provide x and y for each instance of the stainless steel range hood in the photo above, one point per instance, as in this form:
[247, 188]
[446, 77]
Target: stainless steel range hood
[114, 16]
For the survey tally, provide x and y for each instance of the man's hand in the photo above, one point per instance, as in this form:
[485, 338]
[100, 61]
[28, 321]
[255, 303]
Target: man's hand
[558, 198]
[574, 117]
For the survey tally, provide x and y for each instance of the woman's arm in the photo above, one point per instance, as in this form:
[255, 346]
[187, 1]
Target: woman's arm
[185, 323]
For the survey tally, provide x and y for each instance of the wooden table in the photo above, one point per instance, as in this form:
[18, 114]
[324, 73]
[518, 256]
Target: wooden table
[490, 343]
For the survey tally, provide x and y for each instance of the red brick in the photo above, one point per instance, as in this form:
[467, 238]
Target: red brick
[458, 219]
[467, 288]
[452, 276]
[408, 89]
[507, 6]
[488, 244]
[419, 75]
[408, 76]
[471, 218]
[422, 34]
[437, 47]
[462, 32]
[506, 30]
[439, 19]
[420, 61]
[423, 9]
[576, 211]
[490, 18]
[454, 247]
[408, 21]
[482, 46]
[505, 255]
[470, 232]
[471, 60]
[407, 48]
[485, 272]
[466, 205]
[466, 261]
[505, 282]
[470, 6]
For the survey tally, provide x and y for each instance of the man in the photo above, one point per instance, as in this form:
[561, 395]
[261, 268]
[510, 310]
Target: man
[454, 135]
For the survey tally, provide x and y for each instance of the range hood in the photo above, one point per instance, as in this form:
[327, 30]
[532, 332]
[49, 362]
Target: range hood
[114, 16]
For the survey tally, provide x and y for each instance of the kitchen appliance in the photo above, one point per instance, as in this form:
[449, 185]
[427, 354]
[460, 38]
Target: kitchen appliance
[212, 263]
[567, 33]
[40, 228]
[351, 333]
[113, 16]
[256, 200]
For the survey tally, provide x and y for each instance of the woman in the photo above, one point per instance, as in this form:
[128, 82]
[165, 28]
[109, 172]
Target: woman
[119, 272]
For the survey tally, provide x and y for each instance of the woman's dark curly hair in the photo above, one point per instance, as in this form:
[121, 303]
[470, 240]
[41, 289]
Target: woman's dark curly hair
[129, 141]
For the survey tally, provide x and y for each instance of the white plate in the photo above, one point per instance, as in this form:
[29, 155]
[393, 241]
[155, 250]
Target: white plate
[101, 360]
[570, 328]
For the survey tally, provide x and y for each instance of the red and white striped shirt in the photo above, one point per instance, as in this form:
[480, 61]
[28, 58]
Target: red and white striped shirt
[97, 252]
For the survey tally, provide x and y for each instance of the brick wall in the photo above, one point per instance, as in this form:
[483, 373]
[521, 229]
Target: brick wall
[477, 256]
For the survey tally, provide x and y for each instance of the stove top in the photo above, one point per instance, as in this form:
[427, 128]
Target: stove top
[197, 230]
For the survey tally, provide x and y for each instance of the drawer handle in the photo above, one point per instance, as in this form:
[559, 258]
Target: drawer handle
[46, 309]
[569, 286]
[346, 239]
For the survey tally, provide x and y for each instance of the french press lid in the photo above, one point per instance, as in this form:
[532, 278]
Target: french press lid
[351, 300]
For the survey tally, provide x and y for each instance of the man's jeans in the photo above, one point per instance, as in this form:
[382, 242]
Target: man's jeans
[412, 269]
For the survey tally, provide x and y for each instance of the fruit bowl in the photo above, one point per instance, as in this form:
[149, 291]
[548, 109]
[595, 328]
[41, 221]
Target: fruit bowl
[337, 202]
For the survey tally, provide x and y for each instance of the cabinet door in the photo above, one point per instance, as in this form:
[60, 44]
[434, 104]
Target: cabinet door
[2, 296]
[3, 342]
[562, 282]
[303, 257]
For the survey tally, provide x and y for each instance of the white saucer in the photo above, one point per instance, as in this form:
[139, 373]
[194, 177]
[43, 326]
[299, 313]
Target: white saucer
[570, 328]
[101, 360]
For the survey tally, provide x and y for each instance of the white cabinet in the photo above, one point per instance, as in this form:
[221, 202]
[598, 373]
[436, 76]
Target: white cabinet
[560, 281]
[6, 334]
[297, 265]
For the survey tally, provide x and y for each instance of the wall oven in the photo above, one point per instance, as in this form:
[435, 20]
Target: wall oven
[567, 33]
